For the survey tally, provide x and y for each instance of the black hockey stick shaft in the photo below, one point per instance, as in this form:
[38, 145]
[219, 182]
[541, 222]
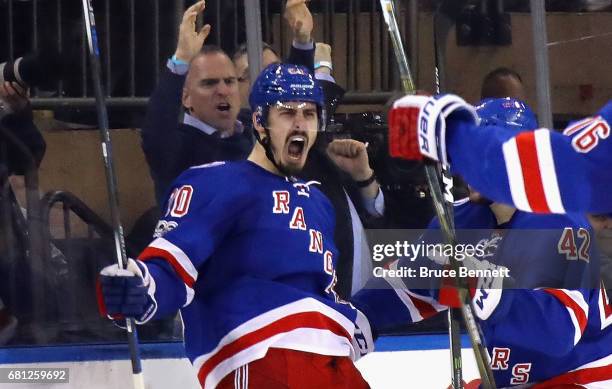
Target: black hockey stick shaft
[446, 222]
[111, 178]
[445, 17]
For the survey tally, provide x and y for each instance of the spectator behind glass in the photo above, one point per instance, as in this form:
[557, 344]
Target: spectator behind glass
[502, 82]
[210, 94]
[241, 61]
[498, 83]
[205, 81]
[300, 22]
[209, 130]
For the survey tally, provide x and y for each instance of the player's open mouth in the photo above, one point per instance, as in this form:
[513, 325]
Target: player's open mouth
[297, 144]
[223, 107]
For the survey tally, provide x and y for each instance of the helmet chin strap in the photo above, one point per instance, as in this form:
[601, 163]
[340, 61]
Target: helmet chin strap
[266, 144]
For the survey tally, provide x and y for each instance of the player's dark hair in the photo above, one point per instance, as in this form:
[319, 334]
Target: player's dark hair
[491, 87]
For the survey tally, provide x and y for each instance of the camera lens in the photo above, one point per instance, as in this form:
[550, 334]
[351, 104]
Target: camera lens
[9, 71]
[34, 70]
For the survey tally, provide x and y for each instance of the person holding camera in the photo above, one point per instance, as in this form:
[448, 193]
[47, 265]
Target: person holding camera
[21, 150]
[17, 130]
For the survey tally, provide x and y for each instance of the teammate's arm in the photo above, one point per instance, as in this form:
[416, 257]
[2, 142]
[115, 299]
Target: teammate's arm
[547, 321]
[388, 304]
[539, 171]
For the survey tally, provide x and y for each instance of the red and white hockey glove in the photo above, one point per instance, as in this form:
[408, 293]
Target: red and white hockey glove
[417, 125]
[126, 292]
[485, 290]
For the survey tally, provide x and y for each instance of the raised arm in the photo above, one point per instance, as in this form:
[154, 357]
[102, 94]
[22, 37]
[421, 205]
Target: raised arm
[160, 140]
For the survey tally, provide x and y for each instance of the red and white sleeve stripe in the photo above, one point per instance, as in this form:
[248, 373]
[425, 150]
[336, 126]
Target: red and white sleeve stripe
[593, 375]
[531, 172]
[576, 306]
[419, 307]
[180, 262]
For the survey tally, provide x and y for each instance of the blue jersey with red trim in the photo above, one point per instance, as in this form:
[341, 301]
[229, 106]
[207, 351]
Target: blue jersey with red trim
[554, 326]
[538, 171]
[249, 258]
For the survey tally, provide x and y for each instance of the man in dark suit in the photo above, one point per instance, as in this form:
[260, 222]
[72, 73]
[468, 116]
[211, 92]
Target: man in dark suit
[207, 84]
[21, 150]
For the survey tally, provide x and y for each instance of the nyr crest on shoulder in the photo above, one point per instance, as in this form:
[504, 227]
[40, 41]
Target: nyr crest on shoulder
[163, 227]
[304, 188]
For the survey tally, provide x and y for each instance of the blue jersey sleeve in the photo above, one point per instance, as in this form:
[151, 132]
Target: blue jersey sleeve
[393, 299]
[546, 321]
[199, 213]
[538, 171]
[170, 291]
[388, 303]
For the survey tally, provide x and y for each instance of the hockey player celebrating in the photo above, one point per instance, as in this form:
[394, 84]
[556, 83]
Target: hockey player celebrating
[246, 252]
[548, 325]
[537, 170]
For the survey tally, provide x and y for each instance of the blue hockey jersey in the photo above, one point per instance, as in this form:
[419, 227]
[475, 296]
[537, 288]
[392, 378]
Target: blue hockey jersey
[248, 257]
[553, 327]
[538, 171]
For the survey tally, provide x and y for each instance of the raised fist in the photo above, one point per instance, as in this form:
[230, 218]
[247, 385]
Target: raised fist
[299, 18]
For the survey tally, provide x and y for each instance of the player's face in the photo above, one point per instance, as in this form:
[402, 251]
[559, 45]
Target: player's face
[211, 91]
[602, 225]
[293, 130]
[244, 78]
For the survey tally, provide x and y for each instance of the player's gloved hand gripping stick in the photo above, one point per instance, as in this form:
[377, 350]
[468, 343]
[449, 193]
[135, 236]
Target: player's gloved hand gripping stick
[111, 179]
[434, 111]
[128, 292]
[417, 131]
[418, 124]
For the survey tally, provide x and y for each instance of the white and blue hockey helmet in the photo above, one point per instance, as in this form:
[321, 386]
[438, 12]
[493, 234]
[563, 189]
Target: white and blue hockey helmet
[508, 113]
[279, 83]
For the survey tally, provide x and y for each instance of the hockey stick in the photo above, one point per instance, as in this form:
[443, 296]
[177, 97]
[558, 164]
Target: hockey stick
[111, 179]
[446, 221]
[442, 24]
